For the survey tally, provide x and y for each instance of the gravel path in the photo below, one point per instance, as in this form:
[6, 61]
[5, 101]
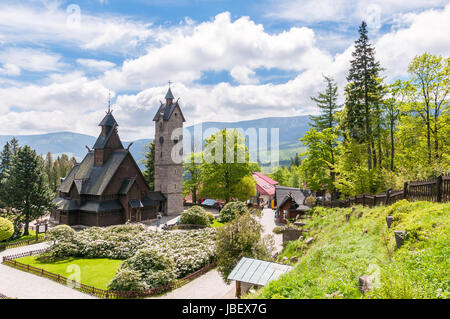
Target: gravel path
[15, 283]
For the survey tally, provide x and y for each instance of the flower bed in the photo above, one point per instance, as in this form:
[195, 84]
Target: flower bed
[189, 251]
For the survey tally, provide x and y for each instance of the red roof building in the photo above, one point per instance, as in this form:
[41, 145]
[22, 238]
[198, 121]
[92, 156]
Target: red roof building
[265, 186]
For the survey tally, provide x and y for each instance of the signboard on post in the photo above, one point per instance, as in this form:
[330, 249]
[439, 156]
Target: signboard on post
[41, 229]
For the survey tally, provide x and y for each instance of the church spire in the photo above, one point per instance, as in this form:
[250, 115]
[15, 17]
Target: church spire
[169, 96]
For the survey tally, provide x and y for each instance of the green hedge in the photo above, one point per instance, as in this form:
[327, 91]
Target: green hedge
[6, 229]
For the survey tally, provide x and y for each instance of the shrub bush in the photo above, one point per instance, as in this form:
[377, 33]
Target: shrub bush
[6, 229]
[127, 279]
[156, 269]
[195, 215]
[231, 210]
[61, 233]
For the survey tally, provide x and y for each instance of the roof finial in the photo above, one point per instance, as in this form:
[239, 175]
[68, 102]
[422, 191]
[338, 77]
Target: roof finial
[170, 83]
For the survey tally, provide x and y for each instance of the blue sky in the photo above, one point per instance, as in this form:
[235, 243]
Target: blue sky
[229, 60]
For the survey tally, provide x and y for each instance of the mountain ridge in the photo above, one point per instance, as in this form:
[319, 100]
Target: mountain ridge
[73, 144]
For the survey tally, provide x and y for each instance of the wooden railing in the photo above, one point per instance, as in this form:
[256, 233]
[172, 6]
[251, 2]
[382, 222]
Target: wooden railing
[432, 190]
[101, 293]
[4, 246]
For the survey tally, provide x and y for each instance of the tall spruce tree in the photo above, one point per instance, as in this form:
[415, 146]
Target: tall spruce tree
[327, 103]
[149, 163]
[362, 95]
[27, 187]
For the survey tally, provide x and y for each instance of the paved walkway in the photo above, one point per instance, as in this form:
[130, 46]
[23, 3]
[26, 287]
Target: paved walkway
[208, 286]
[269, 223]
[15, 283]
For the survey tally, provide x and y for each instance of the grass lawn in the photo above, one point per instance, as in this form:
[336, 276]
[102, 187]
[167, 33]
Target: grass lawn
[31, 235]
[96, 272]
[216, 224]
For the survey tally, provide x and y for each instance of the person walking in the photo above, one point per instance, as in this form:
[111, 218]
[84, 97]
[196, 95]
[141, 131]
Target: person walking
[158, 219]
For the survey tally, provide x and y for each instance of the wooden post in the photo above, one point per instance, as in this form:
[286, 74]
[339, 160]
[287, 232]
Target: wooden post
[439, 188]
[388, 195]
[405, 190]
[364, 199]
[238, 289]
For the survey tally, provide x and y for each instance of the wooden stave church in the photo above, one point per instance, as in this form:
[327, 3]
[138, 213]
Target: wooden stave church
[107, 187]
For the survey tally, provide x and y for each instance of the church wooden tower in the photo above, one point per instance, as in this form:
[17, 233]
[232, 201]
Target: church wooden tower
[168, 170]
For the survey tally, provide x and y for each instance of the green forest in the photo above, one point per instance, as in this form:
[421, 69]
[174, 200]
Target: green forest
[383, 134]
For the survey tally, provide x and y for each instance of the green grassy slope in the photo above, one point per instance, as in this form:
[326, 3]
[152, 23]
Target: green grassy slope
[341, 252]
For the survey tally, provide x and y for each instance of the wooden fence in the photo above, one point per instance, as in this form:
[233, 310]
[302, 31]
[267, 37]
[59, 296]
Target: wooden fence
[101, 293]
[433, 190]
[4, 246]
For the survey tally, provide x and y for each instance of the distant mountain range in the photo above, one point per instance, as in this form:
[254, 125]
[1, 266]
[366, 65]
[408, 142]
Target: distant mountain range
[73, 144]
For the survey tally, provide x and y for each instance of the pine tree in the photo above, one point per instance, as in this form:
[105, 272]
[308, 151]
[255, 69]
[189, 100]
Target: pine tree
[27, 186]
[363, 94]
[14, 145]
[327, 103]
[149, 162]
[5, 158]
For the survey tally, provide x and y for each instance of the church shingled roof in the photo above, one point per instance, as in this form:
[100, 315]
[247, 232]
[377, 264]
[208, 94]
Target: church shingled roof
[101, 141]
[166, 111]
[108, 120]
[96, 178]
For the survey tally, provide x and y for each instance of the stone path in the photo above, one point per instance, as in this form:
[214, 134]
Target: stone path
[15, 283]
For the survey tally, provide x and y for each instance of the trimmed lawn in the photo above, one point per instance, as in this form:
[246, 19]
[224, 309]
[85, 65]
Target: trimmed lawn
[216, 224]
[96, 272]
[32, 235]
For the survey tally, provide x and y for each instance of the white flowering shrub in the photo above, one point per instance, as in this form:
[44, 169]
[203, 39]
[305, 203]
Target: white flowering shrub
[188, 251]
[127, 279]
[61, 232]
[195, 215]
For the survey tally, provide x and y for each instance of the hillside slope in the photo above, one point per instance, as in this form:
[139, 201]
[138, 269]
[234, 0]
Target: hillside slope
[342, 252]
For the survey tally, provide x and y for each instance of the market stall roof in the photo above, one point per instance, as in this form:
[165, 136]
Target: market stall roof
[257, 272]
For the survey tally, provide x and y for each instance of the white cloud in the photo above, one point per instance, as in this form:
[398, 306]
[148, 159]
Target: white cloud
[10, 69]
[54, 24]
[348, 11]
[220, 45]
[29, 59]
[243, 75]
[96, 65]
[71, 101]
[426, 32]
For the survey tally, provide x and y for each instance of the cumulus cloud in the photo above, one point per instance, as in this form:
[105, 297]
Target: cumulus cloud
[30, 59]
[350, 11]
[217, 45]
[72, 101]
[96, 65]
[69, 25]
[424, 32]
